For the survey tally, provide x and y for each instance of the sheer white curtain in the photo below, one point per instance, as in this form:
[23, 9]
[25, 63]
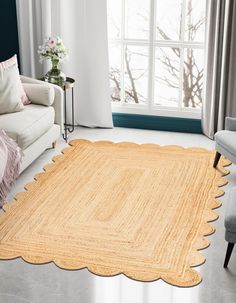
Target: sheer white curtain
[82, 24]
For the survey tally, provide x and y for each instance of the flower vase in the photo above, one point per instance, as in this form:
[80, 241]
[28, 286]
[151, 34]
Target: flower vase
[55, 75]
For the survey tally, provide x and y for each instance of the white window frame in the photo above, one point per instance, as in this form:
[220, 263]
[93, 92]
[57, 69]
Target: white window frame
[151, 108]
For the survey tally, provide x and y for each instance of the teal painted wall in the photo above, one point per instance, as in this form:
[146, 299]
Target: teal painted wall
[8, 29]
[157, 123]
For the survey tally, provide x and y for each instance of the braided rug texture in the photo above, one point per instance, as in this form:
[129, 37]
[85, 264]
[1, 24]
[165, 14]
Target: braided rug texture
[141, 210]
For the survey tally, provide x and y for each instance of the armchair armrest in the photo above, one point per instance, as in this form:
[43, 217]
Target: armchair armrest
[42, 94]
[58, 100]
[230, 123]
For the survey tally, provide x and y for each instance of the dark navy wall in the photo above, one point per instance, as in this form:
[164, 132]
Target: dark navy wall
[8, 29]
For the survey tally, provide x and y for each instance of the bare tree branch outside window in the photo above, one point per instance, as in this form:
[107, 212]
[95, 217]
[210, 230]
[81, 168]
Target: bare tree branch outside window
[169, 59]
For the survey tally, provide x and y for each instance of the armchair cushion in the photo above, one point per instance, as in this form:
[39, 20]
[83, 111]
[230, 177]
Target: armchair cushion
[26, 126]
[42, 94]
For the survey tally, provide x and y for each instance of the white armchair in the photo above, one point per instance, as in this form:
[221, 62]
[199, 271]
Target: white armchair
[226, 146]
[40, 123]
[225, 141]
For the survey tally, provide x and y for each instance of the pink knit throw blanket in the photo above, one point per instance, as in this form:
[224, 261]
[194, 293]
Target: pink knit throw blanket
[10, 159]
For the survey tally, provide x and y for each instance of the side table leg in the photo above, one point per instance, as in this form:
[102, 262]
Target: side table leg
[65, 135]
[72, 127]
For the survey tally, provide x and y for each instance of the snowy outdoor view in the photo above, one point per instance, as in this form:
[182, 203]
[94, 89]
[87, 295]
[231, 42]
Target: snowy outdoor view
[156, 52]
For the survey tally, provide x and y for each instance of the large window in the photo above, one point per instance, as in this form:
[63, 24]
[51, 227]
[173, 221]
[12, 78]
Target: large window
[156, 52]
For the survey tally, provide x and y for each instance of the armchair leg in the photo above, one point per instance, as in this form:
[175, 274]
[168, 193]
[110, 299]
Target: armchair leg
[217, 158]
[54, 144]
[228, 254]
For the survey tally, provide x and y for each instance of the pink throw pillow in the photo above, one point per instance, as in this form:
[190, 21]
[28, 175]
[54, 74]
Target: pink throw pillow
[8, 63]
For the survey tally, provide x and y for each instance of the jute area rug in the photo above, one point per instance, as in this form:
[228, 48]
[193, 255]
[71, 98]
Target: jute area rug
[140, 210]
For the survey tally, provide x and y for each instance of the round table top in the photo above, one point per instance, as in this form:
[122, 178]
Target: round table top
[68, 84]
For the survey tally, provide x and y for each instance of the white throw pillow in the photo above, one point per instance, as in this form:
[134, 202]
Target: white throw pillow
[10, 95]
[3, 156]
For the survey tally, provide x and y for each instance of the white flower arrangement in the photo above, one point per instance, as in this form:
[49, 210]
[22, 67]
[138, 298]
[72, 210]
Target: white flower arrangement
[53, 49]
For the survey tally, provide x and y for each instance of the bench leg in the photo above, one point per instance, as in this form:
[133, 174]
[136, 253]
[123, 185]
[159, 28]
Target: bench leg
[228, 254]
[217, 158]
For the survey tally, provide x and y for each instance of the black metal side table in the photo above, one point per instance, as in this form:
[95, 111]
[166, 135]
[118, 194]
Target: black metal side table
[67, 85]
